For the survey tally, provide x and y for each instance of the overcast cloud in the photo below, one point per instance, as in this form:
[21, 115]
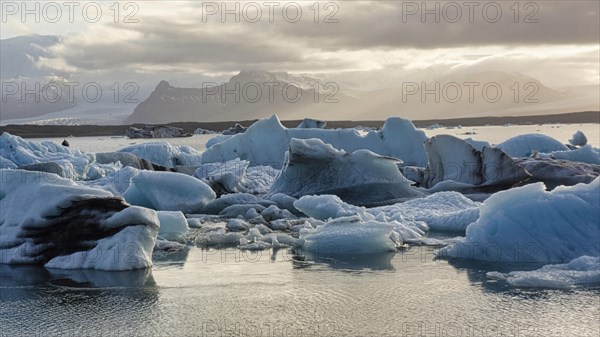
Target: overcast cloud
[181, 37]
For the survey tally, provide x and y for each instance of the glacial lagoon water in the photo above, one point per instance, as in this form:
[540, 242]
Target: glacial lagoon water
[233, 293]
[493, 133]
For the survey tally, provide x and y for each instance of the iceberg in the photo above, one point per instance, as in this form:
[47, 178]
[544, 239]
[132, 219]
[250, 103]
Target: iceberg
[7, 164]
[585, 154]
[578, 139]
[324, 207]
[216, 140]
[531, 225]
[218, 238]
[446, 211]
[116, 182]
[219, 205]
[127, 159]
[168, 191]
[309, 123]
[172, 224]
[69, 226]
[556, 172]
[478, 144]
[237, 225]
[453, 159]
[266, 141]
[350, 236]
[525, 145]
[360, 178]
[165, 154]
[582, 271]
[235, 176]
[156, 131]
[50, 157]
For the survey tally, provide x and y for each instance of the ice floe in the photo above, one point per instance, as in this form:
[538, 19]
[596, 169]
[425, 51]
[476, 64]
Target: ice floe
[582, 271]
[165, 154]
[235, 176]
[168, 191]
[531, 225]
[525, 145]
[351, 236]
[50, 157]
[449, 211]
[173, 225]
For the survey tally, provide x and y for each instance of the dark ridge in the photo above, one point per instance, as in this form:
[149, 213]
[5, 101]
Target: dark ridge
[75, 229]
[46, 131]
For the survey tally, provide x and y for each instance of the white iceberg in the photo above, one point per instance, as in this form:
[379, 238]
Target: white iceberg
[50, 157]
[525, 145]
[531, 225]
[350, 236]
[69, 226]
[165, 154]
[116, 182]
[168, 191]
[216, 140]
[360, 178]
[172, 224]
[235, 176]
[447, 211]
[582, 271]
[324, 207]
[266, 141]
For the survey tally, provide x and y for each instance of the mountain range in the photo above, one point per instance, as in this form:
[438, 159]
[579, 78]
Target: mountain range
[253, 94]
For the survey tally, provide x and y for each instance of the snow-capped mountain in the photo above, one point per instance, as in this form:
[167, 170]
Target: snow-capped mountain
[247, 95]
[258, 94]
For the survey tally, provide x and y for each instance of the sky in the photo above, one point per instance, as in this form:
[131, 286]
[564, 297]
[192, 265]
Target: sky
[554, 41]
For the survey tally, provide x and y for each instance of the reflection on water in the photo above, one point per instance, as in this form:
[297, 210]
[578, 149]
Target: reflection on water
[176, 258]
[382, 261]
[39, 301]
[276, 293]
[19, 276]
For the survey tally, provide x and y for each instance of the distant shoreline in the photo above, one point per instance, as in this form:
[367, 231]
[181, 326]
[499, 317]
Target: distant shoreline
[48, 131]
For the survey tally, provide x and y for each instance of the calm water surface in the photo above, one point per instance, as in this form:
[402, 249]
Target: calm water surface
[232, 293]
